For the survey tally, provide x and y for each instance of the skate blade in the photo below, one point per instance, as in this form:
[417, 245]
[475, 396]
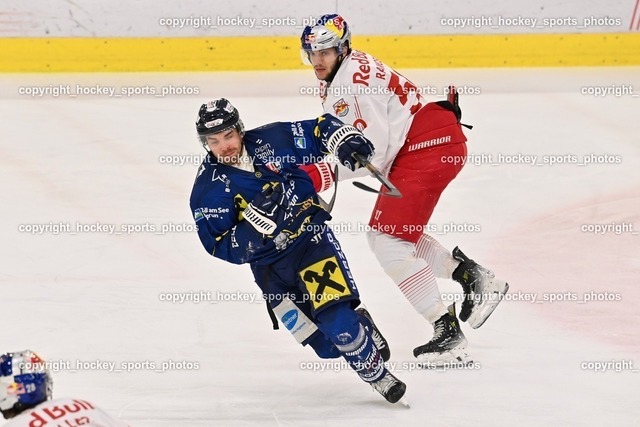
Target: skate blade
[478, 317]
[404, 402]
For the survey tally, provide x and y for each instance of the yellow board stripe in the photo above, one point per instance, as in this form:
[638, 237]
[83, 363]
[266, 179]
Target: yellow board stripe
[282, 53]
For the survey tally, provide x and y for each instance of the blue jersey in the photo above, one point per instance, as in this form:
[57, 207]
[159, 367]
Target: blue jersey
[221, 192]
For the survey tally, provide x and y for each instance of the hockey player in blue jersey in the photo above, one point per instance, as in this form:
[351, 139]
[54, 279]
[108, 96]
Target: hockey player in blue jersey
[252, 204]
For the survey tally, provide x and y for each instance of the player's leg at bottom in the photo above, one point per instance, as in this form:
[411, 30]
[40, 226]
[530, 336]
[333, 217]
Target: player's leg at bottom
[325, 278]
[400, 225]
[323, 314]
[416, 281]
[325, 349]
[332, 335]
[378, 339]
[342, 326]
[441, 164]
[483, 291]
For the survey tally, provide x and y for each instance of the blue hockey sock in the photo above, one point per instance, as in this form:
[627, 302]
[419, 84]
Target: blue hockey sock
[342, 326]
[323, 347]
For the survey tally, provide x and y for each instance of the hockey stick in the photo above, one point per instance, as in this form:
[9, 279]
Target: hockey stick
[392, 191]
[329, 206]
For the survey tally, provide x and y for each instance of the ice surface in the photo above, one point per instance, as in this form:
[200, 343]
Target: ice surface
[95, 296]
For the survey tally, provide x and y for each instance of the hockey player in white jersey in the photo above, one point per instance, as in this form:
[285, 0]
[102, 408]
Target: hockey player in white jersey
[25, 397]
[411, 139]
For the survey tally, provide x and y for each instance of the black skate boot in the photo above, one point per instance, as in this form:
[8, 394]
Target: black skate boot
[381, 343]
[390, 387]
[448, 345]
[483, 292]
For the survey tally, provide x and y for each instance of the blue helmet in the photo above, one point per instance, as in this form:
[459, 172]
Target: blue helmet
[24, 382]
[328, 31]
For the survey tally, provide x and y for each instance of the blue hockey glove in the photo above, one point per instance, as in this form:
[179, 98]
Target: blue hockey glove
[351, 144]
[343, 141]
[268, 209]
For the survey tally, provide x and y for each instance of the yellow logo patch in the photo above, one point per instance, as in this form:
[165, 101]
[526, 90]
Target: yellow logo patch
[325, 282]
[316, 129]
[240, 204]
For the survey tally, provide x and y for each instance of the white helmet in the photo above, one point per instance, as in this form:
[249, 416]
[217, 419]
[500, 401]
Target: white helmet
[329, 31]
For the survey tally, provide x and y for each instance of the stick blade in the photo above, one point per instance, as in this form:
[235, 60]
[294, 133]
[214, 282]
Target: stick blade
[390, 192]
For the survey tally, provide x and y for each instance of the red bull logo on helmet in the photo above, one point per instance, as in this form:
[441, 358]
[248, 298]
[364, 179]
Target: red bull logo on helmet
[336, 24]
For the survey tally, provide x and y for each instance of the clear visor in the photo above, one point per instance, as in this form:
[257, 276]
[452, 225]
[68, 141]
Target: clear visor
[304, 55]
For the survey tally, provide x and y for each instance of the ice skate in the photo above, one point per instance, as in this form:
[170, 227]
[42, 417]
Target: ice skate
[390, 387]
[448, 345]
[381, 343]
[483, 292]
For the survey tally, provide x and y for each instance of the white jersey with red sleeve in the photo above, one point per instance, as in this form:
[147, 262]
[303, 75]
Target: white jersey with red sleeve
[375, 99]
[65, 413]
